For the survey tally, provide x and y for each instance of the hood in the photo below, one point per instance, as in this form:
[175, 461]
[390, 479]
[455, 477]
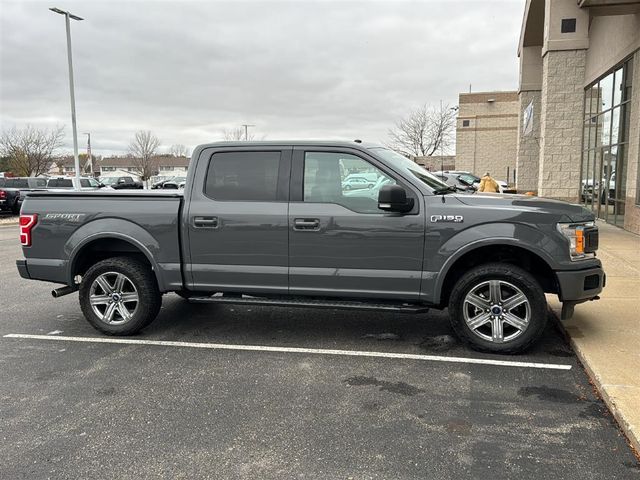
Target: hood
[569, 212]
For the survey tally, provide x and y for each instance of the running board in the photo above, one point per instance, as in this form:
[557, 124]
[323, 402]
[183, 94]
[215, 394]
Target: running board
[311, 303]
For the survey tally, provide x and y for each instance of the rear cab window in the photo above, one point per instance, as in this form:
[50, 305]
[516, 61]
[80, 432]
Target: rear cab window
[244, 176]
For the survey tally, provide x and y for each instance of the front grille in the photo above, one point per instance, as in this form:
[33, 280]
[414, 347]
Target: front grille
[591, 282]
[590, 239]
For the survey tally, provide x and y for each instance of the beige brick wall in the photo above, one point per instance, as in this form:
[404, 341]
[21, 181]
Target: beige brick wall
[632, 211]
[489, 142]
[528, 149]
[561, 124]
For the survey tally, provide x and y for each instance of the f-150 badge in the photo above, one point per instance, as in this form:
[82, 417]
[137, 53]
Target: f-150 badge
[447, 218]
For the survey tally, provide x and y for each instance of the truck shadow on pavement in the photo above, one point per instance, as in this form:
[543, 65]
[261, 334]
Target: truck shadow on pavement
[428, 333]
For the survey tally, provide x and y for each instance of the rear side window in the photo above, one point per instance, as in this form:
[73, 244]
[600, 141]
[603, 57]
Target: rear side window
[17, 183]
[60, 183]
[243, 176]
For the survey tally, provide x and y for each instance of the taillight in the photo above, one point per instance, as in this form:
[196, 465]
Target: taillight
[3, 195]
[27, 222]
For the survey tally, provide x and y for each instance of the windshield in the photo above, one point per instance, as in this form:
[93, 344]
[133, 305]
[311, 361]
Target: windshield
[403, 163]
[109, 180]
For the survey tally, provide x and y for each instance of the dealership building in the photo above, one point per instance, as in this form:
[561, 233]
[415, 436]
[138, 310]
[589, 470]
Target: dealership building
[579, 105]
[487, 133]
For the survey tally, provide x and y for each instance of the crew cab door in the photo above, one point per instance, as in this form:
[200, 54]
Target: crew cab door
[340, 243]
[237, 224]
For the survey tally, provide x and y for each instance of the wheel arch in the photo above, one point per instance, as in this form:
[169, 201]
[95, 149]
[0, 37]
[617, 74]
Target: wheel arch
[99, 246]
[504, 250]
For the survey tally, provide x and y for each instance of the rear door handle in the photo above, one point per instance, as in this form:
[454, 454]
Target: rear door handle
[306, 224]
[205, 222]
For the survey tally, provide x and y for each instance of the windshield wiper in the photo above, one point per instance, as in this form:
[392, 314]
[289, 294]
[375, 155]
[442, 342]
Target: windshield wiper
[444, 190]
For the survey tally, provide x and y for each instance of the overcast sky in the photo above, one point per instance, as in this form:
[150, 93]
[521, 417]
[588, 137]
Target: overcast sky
[188, 70]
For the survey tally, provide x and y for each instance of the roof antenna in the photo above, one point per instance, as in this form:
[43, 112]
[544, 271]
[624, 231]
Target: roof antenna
[357, 140]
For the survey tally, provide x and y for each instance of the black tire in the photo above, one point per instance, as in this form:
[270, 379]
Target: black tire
[15, 209]
[141, 277]
[507, 275]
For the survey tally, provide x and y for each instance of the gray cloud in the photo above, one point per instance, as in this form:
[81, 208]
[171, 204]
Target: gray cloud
[187, 70]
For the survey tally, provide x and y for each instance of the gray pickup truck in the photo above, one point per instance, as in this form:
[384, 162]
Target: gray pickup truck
[269, 223]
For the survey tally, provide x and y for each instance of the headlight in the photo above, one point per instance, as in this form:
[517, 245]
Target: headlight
[577, 234]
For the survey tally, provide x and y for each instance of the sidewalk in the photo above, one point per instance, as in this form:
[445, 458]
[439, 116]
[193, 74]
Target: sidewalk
[606, 333]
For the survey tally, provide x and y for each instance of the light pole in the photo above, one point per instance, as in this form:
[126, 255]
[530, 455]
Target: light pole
[67, 16]
[89, 158]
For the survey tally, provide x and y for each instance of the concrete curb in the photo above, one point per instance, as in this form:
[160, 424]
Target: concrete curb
[632, 436]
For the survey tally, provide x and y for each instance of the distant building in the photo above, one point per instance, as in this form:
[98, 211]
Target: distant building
[437, 162]
[487, 133]
[166, 165]
[579, 95]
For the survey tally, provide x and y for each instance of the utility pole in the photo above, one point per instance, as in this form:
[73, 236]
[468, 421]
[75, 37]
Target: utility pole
[68, 16]
[246, 130]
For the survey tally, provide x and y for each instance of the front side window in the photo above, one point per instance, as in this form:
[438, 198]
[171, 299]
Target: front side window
[243, 176]
[343, 179]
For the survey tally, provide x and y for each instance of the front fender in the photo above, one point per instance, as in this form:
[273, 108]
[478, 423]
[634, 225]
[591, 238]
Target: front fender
[440, 260]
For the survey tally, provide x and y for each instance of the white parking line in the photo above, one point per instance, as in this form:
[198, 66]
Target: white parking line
[318, 351]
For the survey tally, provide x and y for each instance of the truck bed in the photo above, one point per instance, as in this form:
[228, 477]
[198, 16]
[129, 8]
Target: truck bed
[69, 221]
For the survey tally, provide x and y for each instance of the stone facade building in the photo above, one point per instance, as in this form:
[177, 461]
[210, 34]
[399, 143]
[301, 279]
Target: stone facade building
[487, 133]
[579, 105]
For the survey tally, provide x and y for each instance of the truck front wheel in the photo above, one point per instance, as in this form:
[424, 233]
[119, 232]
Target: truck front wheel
[119, 296]
[498, 308]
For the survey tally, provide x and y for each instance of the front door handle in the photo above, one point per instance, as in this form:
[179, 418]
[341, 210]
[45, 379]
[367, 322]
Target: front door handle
[205, 222]
[306, 224]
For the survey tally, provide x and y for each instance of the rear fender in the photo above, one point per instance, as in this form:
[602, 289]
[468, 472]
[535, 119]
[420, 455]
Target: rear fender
[128, 231]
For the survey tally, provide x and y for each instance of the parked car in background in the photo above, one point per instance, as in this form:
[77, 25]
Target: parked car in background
[69, 183]
[121, 183]
[174, 183]
[14, 190]
[453, 181]
[158, 181]
[590, 191]
[470, 179]
[356, 183]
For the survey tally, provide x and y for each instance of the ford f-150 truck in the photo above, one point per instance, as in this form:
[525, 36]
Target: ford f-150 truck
[269, 223]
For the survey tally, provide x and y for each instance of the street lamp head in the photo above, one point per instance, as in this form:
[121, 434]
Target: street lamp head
[62, 12]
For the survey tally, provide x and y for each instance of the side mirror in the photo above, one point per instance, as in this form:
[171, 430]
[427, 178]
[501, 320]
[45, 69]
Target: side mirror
[393, 198]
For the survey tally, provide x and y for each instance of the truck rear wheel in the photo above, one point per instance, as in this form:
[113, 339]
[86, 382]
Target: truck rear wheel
[119, 296]
[498, 308]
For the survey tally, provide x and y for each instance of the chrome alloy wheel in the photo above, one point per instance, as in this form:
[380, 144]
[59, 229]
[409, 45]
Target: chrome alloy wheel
[496, 311]
[114, 298]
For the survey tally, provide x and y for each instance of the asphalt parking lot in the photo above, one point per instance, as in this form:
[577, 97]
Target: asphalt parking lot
[85, 409]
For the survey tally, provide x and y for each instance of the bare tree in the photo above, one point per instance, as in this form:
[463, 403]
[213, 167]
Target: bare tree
[142, 148]
[30, 150]
[179, 150]
[235, 134]
[425, 131]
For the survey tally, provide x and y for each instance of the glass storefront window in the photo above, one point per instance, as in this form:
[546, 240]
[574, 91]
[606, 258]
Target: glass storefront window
[605, 137]
[618, 87]
[615, 125]
[606, 88]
